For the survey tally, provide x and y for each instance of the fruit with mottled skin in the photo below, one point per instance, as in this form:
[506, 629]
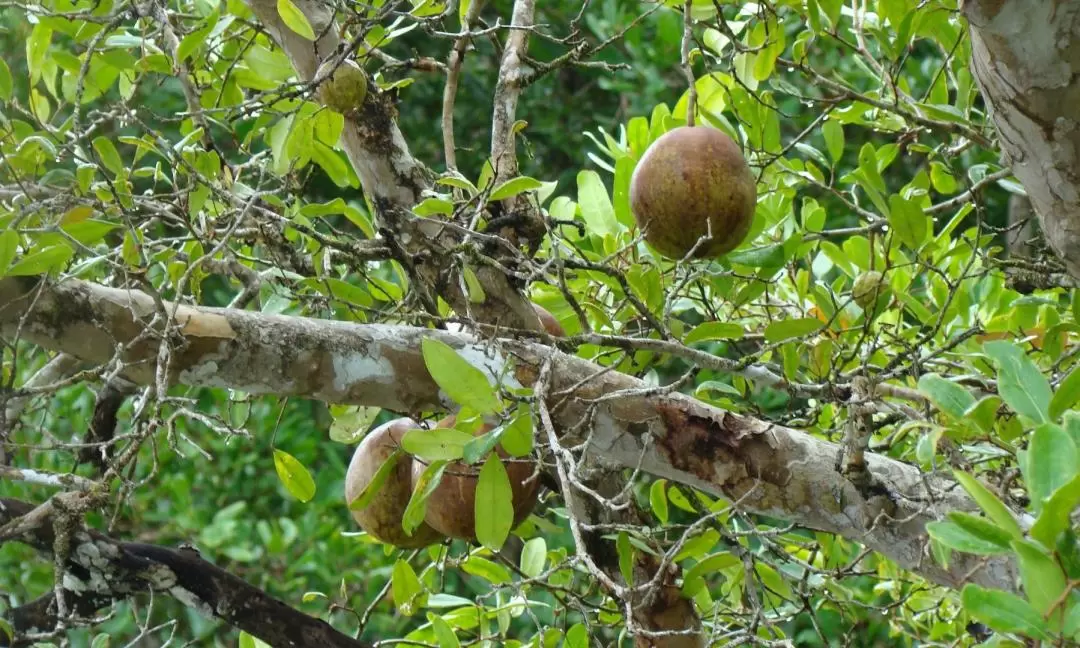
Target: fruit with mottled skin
[451, 508]
[693, 182]
[382, 517]
[868, 287]
[343, 90]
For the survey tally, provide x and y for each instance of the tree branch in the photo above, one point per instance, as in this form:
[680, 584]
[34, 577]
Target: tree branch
[101, 570]
[769, 469]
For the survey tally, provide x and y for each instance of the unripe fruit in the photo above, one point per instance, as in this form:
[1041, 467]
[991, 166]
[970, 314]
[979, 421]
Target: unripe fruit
[381, 518]
[693, 182]
[868, 287]
[451, 508]
[343, 91]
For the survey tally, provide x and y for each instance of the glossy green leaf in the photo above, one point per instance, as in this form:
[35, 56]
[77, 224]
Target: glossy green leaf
[1043, 580]
[5, 81]
[625, 551]
[792, 328]
[989, 503]
[956, 537]
[1003, 612]
[294, 475]
[714, 331]
[833, 133]
[423, 487]
[405, 587]
[295, 19]
[908, 221]
[444, 634]
[108, 154]
[1056, 511]
[463, 383]
[513, 187]
[492, 572]
[378, 480]
[1067, 394]
[1051, 462]
[1020, 383]
[948, 396]
[658, 500]
[9, 247]
[981, 527]
[533, 557]
[494, 505]
[595, 205]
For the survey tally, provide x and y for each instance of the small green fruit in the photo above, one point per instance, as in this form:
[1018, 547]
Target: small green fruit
[868, 287]
[693, 182]
[344, 90]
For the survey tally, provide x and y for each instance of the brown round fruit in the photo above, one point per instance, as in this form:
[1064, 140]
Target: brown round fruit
[451, 509]
[868, 287]
[343, 91]
[551, 325]
[692, 182]
[381, 518]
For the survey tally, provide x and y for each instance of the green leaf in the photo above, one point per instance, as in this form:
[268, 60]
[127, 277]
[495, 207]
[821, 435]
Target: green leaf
[517, 437]
[714, 331]
[405, 587]
[1051, 462]
[699, 545]
[473, 287]
[294, 475]
[658, 500]
[37, 47]
[515, 186]
[1068, 392]
[444, 634]
[494, 504]
[416, 509]
[577, 637]
[42, 261]
[9, 247]
[247, 641]
[1020, 383]
[626, 557]
[982, 528]
[908, 221]
[1056, 510]
[480, 446]
[5, 81]
[956, 537]
[946, 395]
[378, 479]
[989, 503]
[1043, 579]
[694, 578]
[493, 573]
[1003, 612]
[834, 138]
[792, 328]
[193, 41]
[595, 205]
[295, 19]
[434, 206]
[534, 557]
[463, 383]
[110, 157]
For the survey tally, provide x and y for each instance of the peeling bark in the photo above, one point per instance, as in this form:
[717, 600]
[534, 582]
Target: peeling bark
[768, 469]
[101, 569]
[1026, 59]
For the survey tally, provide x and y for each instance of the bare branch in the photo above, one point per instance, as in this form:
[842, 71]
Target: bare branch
[773, 470]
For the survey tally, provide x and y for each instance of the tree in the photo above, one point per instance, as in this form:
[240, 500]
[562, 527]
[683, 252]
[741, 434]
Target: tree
[742, 450]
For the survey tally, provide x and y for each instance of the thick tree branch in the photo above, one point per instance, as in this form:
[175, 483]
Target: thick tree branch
[768, 468]
[1026, 59]
[101, 570]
